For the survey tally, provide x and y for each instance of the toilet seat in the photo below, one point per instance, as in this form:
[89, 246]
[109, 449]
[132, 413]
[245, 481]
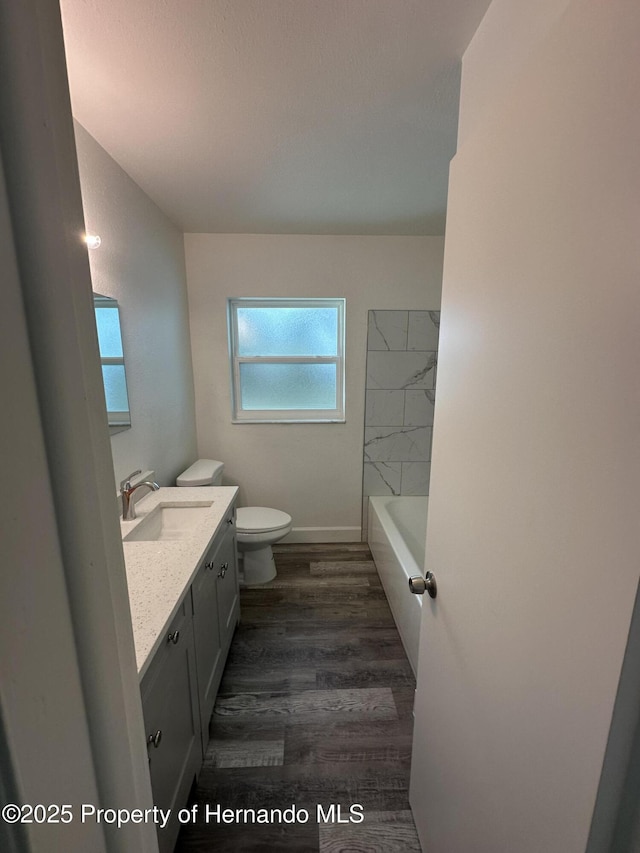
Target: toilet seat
[260, 519]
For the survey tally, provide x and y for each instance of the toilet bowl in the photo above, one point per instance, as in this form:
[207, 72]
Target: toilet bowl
[257, 527]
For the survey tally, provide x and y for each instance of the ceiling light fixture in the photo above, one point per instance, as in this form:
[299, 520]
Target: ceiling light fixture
[92, 240]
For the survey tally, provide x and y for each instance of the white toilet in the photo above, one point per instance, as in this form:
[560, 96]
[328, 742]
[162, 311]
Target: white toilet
[257, 527]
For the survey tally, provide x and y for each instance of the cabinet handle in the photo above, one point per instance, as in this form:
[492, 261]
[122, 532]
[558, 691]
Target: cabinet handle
[223, 570]
[230, 520]
[155, 738]
[173, 637]
[209, 565]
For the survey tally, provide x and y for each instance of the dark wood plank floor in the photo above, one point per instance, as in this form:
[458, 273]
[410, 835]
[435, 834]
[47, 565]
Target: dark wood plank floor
[315, 708]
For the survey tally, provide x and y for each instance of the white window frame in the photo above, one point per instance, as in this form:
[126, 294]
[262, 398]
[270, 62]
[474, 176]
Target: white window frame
[240, 415]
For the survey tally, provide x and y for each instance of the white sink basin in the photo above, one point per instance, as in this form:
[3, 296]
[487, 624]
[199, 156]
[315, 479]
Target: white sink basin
[169, 521]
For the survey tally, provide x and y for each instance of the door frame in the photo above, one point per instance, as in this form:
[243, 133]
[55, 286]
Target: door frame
[55, 353]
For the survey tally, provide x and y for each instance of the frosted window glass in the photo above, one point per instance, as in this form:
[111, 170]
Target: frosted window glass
[287, 331]
[109, 338]
[115, 387]
[288, 386]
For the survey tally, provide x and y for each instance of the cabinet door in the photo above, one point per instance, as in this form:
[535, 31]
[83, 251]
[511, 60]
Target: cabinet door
[228, 587]
[207, 636]
[172, 721]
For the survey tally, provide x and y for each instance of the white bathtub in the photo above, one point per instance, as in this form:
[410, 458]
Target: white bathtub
[396, 536]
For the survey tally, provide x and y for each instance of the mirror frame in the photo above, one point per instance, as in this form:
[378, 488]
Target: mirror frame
[120, 420]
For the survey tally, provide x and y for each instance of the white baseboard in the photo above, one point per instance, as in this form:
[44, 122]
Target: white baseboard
[322, 534]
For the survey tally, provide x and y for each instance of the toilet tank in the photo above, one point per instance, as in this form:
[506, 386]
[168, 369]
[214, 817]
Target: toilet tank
[204, 472]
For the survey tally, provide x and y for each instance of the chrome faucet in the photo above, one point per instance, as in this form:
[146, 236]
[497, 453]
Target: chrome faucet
[126, 492]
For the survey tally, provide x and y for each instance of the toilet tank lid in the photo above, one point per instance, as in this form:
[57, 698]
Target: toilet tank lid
[201, 473]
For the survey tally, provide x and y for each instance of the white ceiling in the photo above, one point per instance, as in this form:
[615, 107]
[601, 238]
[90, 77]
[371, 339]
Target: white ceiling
[276, 116]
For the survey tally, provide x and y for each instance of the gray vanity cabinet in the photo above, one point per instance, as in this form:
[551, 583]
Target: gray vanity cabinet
[172, 721]
[179, 688]
[215, 613]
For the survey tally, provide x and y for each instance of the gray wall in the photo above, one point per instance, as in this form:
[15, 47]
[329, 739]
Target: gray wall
[141, 264]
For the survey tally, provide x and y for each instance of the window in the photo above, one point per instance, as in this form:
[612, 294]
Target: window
[287, 359]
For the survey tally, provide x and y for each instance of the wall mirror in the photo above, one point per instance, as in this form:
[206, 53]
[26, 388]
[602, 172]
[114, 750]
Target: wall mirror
[112, 361]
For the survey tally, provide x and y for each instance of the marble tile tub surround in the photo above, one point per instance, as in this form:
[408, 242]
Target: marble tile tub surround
[402, 357]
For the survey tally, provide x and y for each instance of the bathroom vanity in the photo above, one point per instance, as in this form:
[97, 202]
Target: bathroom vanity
[181, 562]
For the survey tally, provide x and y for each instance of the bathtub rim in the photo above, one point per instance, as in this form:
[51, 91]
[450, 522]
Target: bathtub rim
[403, 551]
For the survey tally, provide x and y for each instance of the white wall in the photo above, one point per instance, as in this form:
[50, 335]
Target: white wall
[66, 633]
[535, 500]
[43, 713]
[141, 264]
[509, 32]
[312, 471]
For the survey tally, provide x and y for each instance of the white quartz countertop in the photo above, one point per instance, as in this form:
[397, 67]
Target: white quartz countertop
[159, 573]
